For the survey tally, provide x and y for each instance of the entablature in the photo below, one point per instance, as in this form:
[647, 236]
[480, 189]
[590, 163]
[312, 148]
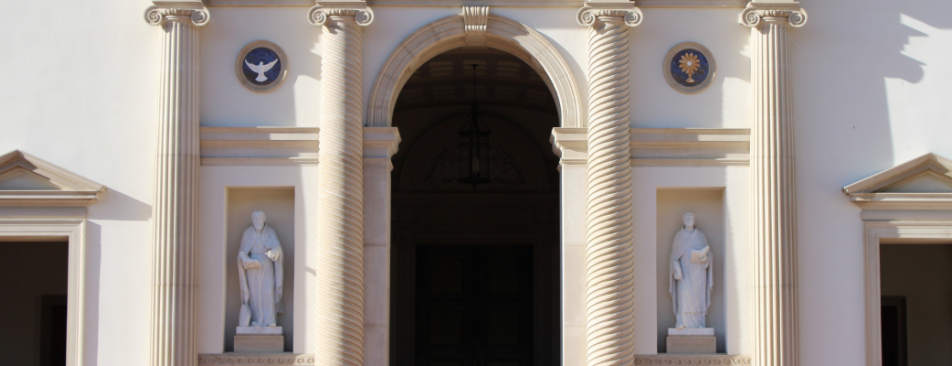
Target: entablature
[664, 146]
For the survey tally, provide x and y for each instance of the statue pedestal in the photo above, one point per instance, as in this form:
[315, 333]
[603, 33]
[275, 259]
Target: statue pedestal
[259, 340]
[691, 340]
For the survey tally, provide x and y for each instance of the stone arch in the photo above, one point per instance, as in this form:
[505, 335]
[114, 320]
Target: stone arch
[501, 33]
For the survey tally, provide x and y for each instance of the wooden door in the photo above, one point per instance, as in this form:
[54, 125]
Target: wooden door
[474, 306]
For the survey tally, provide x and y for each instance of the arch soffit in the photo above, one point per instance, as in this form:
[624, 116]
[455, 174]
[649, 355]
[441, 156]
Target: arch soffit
[502, 33]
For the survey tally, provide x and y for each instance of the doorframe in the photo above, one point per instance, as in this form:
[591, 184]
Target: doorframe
[892, 233]
[23, 225]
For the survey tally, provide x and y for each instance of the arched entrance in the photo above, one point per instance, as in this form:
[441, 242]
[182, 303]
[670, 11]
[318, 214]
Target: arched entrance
[475, 269]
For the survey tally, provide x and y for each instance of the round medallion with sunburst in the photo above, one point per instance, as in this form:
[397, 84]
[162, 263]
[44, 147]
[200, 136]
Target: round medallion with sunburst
[689, 67]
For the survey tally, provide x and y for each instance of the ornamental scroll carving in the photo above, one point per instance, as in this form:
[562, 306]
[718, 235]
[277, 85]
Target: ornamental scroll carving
[587, 15]
[155, 15]
[319, 13]
[475, 18]
[754, 14]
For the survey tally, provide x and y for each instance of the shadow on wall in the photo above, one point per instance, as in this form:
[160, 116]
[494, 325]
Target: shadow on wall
[839, 73]
[843, 62]
[93, 280]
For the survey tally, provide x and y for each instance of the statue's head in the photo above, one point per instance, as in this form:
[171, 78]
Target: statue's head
[257, 219]
[689, 220]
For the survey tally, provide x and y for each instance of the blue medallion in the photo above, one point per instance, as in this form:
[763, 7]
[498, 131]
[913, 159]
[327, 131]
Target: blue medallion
[689, 67]
[262, 66]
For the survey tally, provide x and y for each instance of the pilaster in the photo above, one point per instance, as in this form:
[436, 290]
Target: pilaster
[380, 143]
[175, 207]
[609, 301]
[773, 184]
[340, 246]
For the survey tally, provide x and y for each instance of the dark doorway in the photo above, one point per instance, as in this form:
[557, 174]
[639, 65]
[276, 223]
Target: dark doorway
[916, 288]
[34, 289]
[474, 270]
[474, 305]
[893, 313]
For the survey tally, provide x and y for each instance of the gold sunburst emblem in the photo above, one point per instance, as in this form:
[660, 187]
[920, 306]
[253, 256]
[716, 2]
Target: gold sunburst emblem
[689, 65]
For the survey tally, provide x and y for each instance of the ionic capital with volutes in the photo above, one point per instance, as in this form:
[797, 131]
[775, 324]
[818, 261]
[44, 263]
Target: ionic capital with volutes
[324, 10]
[757, 12]
[603, 10]
[163, 11]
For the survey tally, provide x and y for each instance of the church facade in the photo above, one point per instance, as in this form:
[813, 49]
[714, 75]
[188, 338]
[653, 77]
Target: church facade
[476, 183]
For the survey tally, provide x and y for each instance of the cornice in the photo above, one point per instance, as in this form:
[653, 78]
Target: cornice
[318, 14]
[164, 10]
[757, 12]
[61, 188]
[259, 145]
[593, 11]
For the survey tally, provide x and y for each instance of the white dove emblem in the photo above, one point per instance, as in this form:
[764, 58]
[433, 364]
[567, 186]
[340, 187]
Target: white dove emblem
[261, 68]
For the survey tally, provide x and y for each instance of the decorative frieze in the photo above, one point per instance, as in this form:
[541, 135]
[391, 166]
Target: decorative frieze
[256, 359]
[773, 190]
[609, 275]
[692, 360]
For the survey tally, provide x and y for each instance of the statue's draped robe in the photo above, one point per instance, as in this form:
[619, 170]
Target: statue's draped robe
[690, 296]
[261, 288]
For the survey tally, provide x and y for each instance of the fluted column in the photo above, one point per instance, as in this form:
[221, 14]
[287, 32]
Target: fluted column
[773, 186]
[340, 246]
[609, 277]
[175, 207]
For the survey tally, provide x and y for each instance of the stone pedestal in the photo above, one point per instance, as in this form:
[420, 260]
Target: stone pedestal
[259, 340]
[691, 340]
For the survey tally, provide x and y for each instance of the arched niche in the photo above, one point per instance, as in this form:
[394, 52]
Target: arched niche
[501, 33]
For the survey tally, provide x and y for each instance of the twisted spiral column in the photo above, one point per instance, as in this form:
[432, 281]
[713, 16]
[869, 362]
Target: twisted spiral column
[340, 247]
[609, 273]
[175, 208]
[773, 186]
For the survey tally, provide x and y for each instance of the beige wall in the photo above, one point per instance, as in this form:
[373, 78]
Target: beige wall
[923, 274]
[278, 205]
[30, 270]
[707, 204]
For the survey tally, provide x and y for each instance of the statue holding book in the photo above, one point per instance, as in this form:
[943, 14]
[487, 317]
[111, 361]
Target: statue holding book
[691, 275]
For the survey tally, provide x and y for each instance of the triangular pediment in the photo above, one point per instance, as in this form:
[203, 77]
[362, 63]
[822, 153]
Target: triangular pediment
[929, 173]
[26, 180]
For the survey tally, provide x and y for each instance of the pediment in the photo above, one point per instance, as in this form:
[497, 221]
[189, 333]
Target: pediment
[28, 181]
[922, 183]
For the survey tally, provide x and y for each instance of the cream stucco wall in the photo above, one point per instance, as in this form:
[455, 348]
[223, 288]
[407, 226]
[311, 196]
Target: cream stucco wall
[870, 89]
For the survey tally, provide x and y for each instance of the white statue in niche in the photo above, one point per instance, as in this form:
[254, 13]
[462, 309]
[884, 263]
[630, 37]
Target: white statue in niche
[260, 273]
[691, 277]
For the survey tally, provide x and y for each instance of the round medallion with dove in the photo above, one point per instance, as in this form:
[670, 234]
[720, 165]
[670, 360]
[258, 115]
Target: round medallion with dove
[689, 67]
[261, 66]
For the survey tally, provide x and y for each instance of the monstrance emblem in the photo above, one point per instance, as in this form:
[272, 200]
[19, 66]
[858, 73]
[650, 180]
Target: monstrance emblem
[689, 65]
